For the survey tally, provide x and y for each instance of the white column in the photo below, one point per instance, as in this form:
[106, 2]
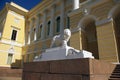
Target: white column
[52, 21]
[29, 35]
[35, 35]
[62, 17]
[37, 25]
[44, 25]
[75, 4]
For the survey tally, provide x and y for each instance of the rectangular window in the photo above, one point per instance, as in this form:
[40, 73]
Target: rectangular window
[9, 60]
[14, 34]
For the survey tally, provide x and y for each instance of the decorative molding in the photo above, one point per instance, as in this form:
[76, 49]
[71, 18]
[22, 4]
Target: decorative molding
[6, 51]
[11, 43]
[77, 29]
[76, 11]
[16, 15]
[101, 22]
[30, 52]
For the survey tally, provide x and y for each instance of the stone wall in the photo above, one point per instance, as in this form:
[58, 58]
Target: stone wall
[73, 69]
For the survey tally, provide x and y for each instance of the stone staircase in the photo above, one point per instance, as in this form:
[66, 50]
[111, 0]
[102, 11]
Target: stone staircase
[10, 74]
[116, 73]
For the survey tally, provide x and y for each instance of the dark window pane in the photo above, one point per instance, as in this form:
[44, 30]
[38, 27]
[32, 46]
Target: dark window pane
[48, 29]
[68, 22]
[58, 25]
[14, 34]
[40, 31]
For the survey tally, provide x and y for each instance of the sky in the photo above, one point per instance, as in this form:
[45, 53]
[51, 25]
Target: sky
[27, 4]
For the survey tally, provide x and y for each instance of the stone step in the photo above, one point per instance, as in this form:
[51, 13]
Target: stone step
[117, 68]
[114, 79]
[116, 71]
[115, 76]
[10, 78]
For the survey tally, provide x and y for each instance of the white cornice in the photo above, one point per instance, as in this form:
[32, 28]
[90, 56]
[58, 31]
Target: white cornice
[11, 43]
[7, 51]
[15, 14]
[19, 7]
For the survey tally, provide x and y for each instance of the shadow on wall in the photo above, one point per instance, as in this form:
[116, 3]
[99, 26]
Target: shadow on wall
[17, 64]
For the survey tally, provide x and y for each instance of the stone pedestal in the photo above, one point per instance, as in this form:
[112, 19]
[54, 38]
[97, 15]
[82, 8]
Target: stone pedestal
[62, 53]
[69, 69]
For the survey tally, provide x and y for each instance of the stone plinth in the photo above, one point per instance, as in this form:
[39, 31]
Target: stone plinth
[62, 53]
[70, 69]
[8, 72]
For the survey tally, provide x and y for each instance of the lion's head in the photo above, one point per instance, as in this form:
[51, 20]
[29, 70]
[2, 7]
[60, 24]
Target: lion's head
[67, 34]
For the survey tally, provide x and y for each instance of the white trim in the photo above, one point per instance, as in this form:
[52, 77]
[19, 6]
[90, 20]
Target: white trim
[34, 34]
[98, 23]
[30, 52]
[11, 60]
[77, 29]
[7, 51]
[11, 43]
[16, 15]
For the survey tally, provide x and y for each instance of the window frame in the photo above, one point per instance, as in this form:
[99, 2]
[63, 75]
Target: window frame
[8, 58]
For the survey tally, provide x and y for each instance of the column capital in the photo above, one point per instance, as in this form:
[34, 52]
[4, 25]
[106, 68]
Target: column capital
[53, 6]
[38, 15]
[29, 19]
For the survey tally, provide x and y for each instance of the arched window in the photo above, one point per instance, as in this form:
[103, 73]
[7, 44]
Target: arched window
[39, 31]
[58, 24]
[48, 28]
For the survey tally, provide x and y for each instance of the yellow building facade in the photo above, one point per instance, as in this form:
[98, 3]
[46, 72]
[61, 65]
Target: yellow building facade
[94, 25]
[12, 24]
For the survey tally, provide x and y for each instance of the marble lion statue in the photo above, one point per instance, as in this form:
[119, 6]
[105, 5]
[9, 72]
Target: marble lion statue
[62, 39]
